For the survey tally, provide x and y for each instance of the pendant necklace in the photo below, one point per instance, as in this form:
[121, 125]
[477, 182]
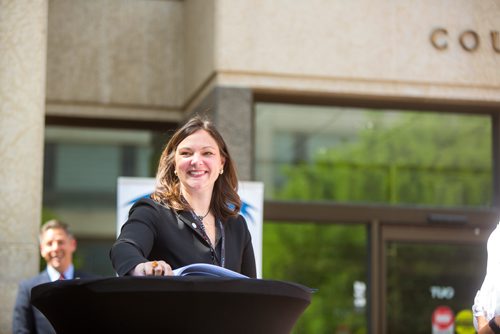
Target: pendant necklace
[201, 217]
[215, 257]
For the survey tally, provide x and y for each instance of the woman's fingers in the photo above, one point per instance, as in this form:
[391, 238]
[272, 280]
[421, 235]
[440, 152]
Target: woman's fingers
[155, 268]
[166, 270]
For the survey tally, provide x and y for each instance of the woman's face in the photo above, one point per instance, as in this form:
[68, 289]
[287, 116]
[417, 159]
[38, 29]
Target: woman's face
[198, 162]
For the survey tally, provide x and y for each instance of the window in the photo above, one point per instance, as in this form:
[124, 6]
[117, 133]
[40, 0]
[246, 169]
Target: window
[80, 180]
[329, 258]
[357, 155]
[359, 158]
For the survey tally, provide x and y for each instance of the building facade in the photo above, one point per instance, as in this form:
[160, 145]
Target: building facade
[399, 101]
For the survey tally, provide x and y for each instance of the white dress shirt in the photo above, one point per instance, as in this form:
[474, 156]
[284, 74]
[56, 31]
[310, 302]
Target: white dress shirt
[54, 274]
[487, 300]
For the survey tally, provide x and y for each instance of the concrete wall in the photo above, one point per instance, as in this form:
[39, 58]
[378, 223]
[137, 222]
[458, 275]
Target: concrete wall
[23, 37]
[115, 53]
[200, 44]
[167, 55]
[361, 47]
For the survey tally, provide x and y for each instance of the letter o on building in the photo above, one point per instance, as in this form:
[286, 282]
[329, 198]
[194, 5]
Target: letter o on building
[469, 40]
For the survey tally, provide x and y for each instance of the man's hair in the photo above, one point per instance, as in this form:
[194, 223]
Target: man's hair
[55, 224]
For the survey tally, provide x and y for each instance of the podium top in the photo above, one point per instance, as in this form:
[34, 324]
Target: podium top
[171, 305]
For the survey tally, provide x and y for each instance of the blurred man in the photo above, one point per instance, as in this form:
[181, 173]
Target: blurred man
[57, 246]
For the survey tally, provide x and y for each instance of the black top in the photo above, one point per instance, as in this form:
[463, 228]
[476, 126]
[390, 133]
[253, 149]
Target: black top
[156, 232]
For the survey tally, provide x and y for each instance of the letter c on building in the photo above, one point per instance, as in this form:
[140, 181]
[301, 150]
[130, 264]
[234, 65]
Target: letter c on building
[438, 38]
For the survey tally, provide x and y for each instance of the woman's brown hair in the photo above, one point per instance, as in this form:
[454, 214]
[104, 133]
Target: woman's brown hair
[225, 199]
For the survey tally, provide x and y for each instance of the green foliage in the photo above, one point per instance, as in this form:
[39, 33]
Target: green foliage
[423, 159]
[316, 256]
[420, 159]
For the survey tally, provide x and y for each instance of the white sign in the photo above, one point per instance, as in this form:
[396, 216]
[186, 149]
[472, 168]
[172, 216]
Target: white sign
[442, 292]
[359, 289]
[131, 189]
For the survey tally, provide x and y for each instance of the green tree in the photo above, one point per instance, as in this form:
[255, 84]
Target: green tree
[419, 159]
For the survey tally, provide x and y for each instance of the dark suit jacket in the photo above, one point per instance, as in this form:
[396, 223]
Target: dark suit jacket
[27, 318]
[156, 232]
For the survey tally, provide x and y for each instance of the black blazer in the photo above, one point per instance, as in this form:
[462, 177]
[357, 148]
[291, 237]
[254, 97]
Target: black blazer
[156, 232]
[27, 318]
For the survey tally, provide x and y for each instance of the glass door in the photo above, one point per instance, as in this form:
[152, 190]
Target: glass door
[431, 277]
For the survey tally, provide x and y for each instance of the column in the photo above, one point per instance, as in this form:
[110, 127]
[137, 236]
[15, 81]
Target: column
[23, 39]
[231, 110]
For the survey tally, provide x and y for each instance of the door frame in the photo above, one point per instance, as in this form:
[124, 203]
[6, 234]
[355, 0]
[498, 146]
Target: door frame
[385, 221]
[422, 233]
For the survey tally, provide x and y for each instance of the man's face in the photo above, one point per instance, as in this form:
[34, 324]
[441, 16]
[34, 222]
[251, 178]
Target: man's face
[57, 248]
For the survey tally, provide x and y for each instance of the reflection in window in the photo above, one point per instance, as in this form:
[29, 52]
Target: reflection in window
[81, 169]
[374, 156]
[420, 279]
[330, 258]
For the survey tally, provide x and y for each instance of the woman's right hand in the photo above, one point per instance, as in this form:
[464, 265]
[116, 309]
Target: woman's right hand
[152, 268]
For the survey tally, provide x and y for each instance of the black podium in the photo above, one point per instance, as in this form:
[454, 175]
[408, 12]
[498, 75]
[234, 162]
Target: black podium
[171, 305]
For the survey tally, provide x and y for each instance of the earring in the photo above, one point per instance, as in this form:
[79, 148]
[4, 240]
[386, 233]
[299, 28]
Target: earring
[175, 172]
[221, 171]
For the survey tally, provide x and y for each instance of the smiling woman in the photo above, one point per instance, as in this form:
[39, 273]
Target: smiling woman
[198, 165]
[193, 214]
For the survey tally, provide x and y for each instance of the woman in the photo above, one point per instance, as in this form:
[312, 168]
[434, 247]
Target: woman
[192, 216]
[487, 300]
